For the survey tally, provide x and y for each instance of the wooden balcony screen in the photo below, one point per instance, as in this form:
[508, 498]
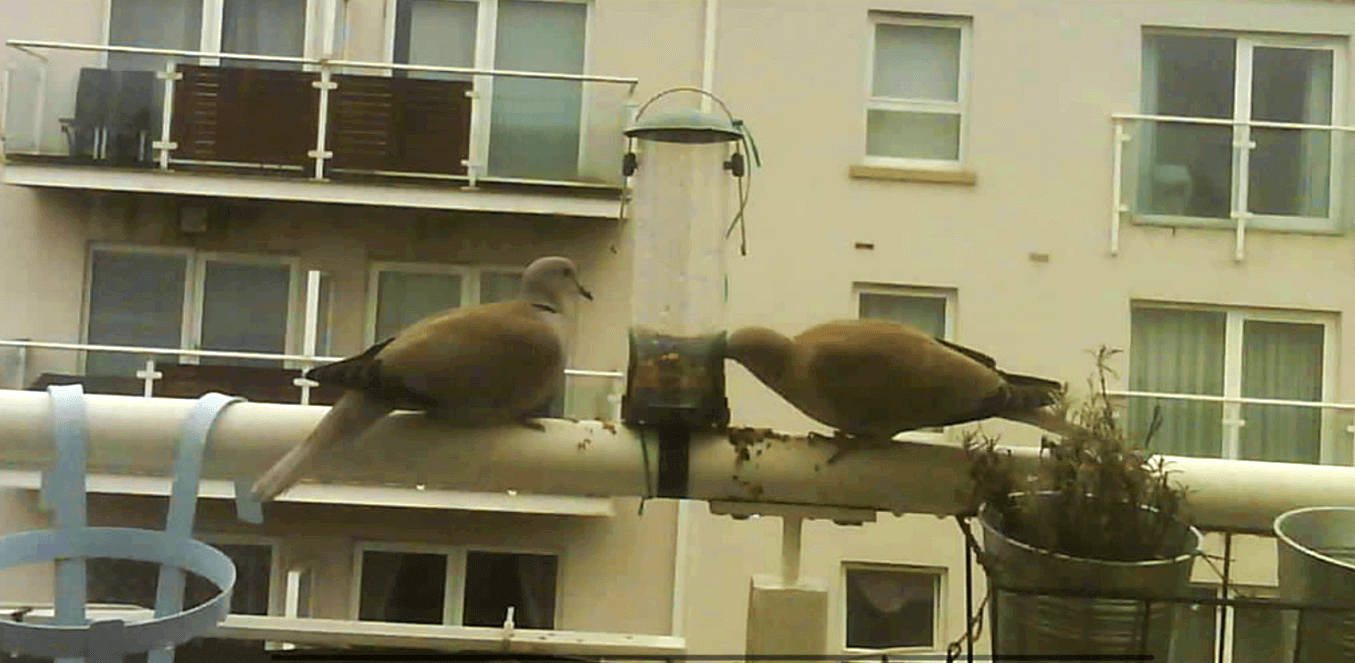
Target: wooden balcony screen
[376, 123]
[399, 124]
[252, 116]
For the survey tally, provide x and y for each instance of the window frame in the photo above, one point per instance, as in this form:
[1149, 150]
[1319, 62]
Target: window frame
[939, 573]
[190, 336]
[1235, 317]
[949, 297]
[296, 295]
[275, 574]
[470, 284]
[960, 106]
[454, 591]
[213, 11]
[86, 312]
[486, 30]
[1246, 43]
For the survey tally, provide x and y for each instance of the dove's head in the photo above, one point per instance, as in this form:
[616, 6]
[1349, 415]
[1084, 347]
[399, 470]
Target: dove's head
[554, 281]
[764, 352]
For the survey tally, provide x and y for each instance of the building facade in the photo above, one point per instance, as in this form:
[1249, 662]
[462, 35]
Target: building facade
[1030, 178]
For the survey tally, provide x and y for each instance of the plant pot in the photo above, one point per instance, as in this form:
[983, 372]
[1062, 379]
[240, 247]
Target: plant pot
[1033, 624]
[1316, 550]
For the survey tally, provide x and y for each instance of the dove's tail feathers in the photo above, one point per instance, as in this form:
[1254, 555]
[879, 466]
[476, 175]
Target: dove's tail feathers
[353, 414]
[1028, 392]
[356, 372]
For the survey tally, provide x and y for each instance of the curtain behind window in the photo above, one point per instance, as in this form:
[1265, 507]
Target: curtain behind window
[1177, 351]
[175, 24]
[1282, 360]
[263, 27]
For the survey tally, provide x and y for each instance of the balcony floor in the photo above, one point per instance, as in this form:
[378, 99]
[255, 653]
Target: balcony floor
[582, 200]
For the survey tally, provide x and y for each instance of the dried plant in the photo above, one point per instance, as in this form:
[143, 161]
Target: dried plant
[1111, 499]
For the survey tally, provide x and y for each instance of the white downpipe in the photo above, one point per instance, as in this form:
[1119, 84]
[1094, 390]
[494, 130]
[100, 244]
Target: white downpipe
[129, 434]
[681, 549]
[791, 530]
[708, 52]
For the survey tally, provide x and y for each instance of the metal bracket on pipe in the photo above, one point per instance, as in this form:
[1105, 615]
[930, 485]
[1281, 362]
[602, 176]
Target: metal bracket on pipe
[73, 638]
[839, 515]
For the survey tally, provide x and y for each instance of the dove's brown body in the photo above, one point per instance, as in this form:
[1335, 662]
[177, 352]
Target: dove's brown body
[877, 378]
[470, 366]
[503, 363]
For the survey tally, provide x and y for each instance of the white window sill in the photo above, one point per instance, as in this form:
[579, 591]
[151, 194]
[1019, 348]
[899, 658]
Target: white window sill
[1275, 224]
[903, 174]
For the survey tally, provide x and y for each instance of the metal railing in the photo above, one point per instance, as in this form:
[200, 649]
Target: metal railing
[44, 83]
[1226, 600]
[1232, 420]
[1132, 171]
[19, 371]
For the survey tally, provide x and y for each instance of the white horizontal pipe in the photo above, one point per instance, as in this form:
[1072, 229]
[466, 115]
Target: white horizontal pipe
[130, 349]
[25, 44]
[131, 435]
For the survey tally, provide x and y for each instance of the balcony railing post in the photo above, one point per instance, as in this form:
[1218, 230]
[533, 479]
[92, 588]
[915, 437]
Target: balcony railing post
[1117, 207]
[325, 84]
[306, 385]
[165, 145]
[1244, 145]
[40, 109]
[149, 375]
[9, 95]
[475, 142]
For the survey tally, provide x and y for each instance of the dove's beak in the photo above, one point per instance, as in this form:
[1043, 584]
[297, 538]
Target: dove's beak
[583, 292]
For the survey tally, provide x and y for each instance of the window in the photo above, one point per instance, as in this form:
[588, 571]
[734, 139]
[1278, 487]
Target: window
[1237, 354]
[534, 125]
[1284, 178]
[134, 582]
[457, 586]
[922, 308]
[169, 297]
[259, 27]
[918, 90]
[401, 294]
[1254, 635]
[890, 607]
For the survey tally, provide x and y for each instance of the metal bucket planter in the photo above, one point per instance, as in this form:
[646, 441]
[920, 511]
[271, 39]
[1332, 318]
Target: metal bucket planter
[1316, 553]
[1035, 624]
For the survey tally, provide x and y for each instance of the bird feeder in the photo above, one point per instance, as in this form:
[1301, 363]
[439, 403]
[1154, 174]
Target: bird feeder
[676, 370]
[679, 162]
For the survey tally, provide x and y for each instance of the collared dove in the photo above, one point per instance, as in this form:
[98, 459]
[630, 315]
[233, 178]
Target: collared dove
[876, 378]
[476, 366]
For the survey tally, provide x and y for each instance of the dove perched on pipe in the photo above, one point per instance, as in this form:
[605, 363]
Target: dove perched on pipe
[877, 378]
[475, 366]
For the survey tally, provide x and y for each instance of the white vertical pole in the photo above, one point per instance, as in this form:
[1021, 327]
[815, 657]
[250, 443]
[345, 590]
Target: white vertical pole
[311, 333]
[41, 109]
[165, 145]
[1117, 196]
[791, 527]
[322, 125]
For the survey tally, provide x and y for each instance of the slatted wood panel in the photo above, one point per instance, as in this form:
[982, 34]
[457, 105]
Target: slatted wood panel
[399, 124]
[253, 116]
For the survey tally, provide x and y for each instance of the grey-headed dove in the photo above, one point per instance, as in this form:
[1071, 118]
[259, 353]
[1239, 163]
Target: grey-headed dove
[475, 365]
[877, 378]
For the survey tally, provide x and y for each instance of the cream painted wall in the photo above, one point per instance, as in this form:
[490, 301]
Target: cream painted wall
[1046, 76]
